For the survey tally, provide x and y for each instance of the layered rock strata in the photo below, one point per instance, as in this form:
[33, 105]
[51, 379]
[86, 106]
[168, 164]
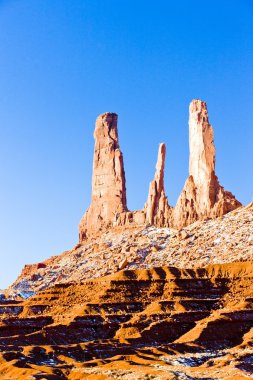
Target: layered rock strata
[202, 196]
[162, 317]
[157, 210]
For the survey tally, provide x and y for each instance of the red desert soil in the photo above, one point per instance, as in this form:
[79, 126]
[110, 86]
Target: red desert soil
[158, 323]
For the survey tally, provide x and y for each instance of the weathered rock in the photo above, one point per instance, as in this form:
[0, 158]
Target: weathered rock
[123, 264]
[157, 209]
[222, 240]
[108, 181]
[202, 197]
[129, 218]
[184, 323]
[182, 235]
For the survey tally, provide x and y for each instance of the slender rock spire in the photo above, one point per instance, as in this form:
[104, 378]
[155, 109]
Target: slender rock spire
[202, 196]
[157, 208]
[108, 179]
[202, 156]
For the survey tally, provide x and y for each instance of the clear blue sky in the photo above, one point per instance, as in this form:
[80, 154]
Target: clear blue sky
[62, 63]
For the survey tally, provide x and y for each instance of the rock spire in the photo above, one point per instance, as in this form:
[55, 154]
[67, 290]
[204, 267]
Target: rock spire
[202, 196]
[157, 209]
[108, 179]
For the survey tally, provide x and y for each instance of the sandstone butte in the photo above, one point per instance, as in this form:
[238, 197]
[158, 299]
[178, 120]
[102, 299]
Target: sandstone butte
[202, 196]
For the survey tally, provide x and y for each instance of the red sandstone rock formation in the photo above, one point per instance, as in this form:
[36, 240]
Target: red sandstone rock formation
[157, 209]
[108, 180]
[202, 196]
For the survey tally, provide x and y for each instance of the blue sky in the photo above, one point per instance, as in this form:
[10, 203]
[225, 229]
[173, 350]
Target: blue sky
[62, 63]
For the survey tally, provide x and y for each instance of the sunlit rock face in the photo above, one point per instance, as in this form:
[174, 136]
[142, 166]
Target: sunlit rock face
[108, 179]
[202, 196]
[157, 209]
[202, 155]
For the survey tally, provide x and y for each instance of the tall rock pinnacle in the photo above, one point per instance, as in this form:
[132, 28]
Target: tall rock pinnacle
[202, 196]
[108, 180]
[202, 156]
[157, 209]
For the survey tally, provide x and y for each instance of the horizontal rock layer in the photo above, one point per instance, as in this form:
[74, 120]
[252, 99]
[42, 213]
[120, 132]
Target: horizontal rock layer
[162, 314]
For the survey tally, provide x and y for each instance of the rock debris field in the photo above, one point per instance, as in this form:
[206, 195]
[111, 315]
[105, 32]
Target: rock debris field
[225, 239]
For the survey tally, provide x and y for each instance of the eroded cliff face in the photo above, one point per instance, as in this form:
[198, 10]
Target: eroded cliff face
[108, 180]
[136, 324]
[202, 196]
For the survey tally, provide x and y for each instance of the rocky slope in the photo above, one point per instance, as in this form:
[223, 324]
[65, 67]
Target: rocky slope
[159, 323]
[221, 240]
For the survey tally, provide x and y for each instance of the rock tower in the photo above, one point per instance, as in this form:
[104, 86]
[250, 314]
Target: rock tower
[108, 179]
[202, 196]
[157, 209]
